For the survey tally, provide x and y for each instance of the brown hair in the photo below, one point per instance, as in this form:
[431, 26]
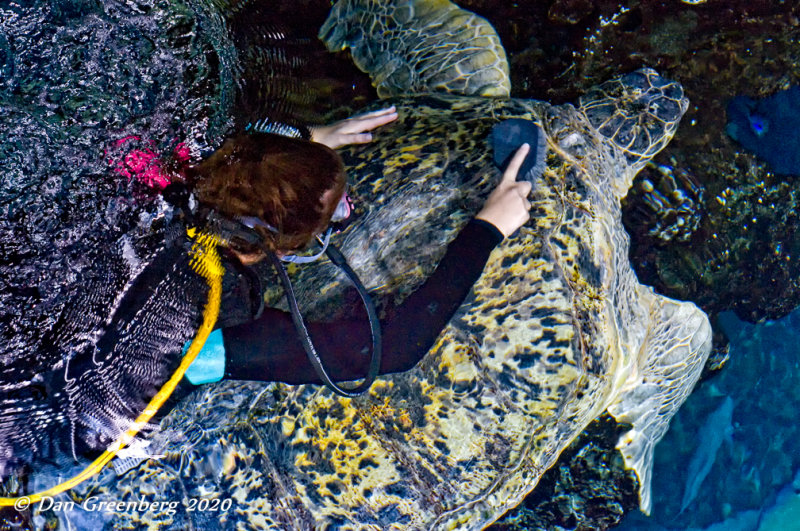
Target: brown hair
[277, 179]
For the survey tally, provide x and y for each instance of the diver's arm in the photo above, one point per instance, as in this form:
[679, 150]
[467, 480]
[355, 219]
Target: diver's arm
[269, 348]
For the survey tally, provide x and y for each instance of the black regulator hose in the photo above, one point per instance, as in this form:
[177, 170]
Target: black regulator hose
[339, 260]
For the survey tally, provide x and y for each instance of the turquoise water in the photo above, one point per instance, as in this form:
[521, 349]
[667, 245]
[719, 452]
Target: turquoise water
[750, 480]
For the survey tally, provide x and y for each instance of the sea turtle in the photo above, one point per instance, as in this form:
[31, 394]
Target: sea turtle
[556, 331]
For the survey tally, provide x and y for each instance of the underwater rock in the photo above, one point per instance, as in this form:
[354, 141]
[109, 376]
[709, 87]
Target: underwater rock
[671, 202]
[569, 11]
[587, 489]
[744, 255]
[769, 127]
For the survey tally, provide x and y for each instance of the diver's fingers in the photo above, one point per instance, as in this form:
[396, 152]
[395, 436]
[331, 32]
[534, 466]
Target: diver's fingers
[510, 175]
[523, 187]
[368, 122]
[379, 112]
[355, 138]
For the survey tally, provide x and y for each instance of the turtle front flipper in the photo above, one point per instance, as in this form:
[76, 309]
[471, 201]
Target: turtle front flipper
[671, 359]
[419, 46]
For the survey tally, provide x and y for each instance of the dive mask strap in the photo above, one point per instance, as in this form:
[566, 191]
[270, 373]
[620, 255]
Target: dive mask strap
[297, 259]
[253, 222]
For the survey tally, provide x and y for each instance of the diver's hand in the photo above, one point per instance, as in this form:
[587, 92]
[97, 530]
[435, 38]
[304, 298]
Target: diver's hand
[507, 207]
[353, 130]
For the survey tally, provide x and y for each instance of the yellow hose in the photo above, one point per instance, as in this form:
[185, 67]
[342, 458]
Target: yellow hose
[205, 262]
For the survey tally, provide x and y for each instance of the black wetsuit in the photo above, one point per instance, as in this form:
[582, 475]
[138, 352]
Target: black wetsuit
[269, 348]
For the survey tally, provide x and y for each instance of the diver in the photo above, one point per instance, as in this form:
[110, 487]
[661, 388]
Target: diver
[288, 191]
[278, 193]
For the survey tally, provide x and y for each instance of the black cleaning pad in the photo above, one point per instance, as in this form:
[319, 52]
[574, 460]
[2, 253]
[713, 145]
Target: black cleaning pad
[509, 135]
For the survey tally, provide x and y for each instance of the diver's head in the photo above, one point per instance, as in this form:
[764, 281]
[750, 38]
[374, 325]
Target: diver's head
[293, 186]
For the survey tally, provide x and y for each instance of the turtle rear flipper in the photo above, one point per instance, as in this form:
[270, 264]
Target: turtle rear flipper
[401, 46]
[671, 359]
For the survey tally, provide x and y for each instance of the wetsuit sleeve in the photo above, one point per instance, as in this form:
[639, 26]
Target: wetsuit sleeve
[269, 348]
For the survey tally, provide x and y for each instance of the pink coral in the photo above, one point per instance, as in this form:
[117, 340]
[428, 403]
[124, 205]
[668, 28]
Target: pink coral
[143, 164]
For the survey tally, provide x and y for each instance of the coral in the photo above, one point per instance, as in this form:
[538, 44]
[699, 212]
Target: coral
[587, 489]
[745, 254]
[668, 201]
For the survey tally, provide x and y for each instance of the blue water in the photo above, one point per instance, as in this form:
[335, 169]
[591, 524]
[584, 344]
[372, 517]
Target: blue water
[751, 481]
